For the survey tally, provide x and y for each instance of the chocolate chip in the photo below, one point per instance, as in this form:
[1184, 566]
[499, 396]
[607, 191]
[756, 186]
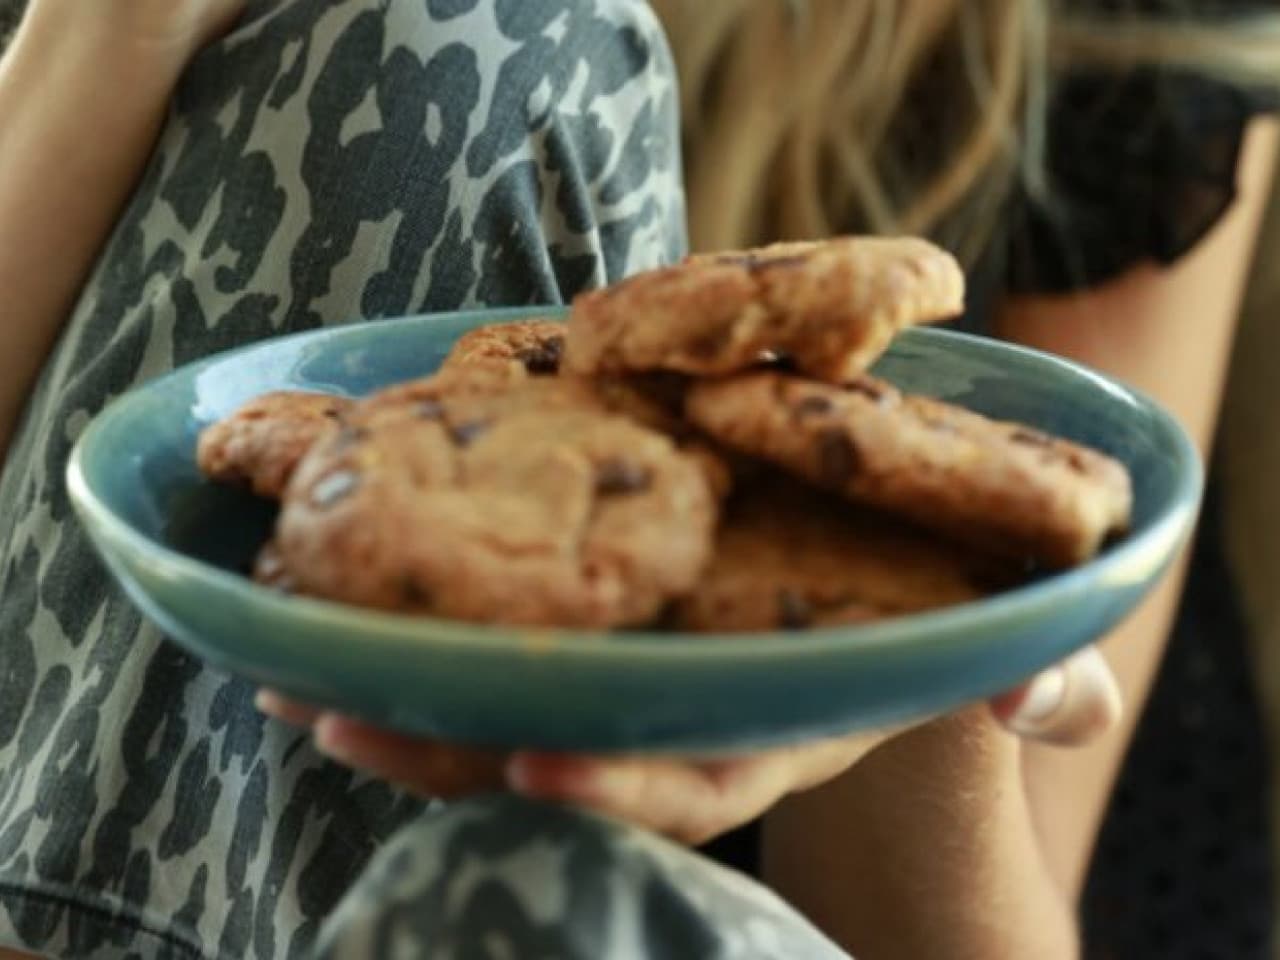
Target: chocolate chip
[333, 413]
[412, 592]
[1030, 438]
[1114, 537]
[543, 359]
[938, 423]
[783, 263]
[336, 486]
[708, 345]
[838, 458]
[869, 389]
[617, 477]
[747, 261]
[464, 433]
[813, 406]
[794, 611]
[1077, 461]
[430, 410]
[349, 437]
[755, 263]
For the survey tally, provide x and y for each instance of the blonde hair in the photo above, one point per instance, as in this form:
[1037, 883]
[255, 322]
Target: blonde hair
[804, 118]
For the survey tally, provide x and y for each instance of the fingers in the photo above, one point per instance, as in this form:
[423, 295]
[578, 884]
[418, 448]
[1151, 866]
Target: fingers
[690, 802]
[687, 800]
[426, 767]
[1071, 704]
[285, 710]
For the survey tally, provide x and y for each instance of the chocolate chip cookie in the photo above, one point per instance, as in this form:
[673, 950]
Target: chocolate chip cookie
[789, 557]
[831, 307]
[533, 346]
[261, 443]
[1000, 486]
[486, 390]
[656, 401]
[516, 510]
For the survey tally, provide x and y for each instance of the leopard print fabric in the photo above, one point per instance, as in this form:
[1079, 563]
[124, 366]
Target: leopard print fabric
[330, 160]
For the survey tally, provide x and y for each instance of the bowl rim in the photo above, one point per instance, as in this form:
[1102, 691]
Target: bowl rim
[910, 635]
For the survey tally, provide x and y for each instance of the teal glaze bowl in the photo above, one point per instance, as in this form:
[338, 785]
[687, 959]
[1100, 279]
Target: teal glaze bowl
[178, 545]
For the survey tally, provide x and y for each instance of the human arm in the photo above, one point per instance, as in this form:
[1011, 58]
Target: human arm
[83, 91]
[978, 844]
[1174, 344]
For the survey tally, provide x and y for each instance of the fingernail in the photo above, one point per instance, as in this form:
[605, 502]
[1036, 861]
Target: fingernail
[1044, 697]
[1073, 704]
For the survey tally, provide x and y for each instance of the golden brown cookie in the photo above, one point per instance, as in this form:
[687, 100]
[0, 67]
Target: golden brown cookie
[656, 401]
[514, 510]
[790, 557]
[508, 353]
[1002, 486]
[486, 390]
[483, 388]
[261, 443]
[831, 307]
[533, 346]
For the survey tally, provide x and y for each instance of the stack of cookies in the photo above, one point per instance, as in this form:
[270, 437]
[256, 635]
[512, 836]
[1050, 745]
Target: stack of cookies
[699, 448]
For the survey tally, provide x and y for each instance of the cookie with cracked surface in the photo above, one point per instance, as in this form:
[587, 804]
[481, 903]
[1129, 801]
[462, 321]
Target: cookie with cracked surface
[484, 391]
[789, 557]
[261, 443]
[511, 510]
[481, 390]
[656, 401]
[831, 307]
[1002, 486]
[533, 347]
[513, 351]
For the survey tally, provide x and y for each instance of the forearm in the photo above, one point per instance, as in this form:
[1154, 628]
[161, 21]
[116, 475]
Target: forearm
[81, 112]
[927, 848]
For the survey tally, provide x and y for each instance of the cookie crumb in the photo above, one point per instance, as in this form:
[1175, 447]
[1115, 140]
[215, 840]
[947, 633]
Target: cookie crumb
[838, 458]
[464, 434]
[617, 477]
[794, 611]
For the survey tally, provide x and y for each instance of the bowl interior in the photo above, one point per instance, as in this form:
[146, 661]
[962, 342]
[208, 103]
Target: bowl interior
[140, 461]
[181, 546]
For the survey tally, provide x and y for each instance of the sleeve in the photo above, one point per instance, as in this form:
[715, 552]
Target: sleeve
[1141, 166]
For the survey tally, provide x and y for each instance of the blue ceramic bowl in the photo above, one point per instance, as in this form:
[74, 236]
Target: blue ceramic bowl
[176, 544]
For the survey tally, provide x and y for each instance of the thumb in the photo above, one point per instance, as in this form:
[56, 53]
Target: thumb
[1070, 704]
